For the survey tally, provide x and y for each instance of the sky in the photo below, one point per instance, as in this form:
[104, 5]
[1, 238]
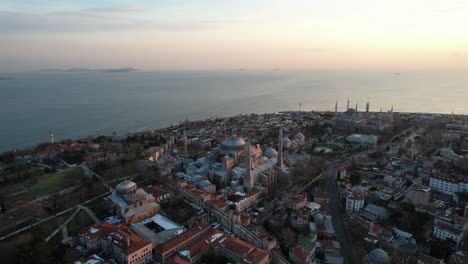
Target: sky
[226, 34]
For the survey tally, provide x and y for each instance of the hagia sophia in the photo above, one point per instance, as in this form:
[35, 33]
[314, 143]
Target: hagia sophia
[241, 166]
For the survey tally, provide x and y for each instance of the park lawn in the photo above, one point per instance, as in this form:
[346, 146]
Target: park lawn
[54, 182]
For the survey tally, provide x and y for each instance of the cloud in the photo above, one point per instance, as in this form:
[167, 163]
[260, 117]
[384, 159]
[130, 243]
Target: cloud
[103, 20]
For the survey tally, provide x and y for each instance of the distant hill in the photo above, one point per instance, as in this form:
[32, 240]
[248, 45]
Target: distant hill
[126, 69]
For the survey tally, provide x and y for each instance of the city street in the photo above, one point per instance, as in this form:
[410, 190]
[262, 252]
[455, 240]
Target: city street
[338, 216]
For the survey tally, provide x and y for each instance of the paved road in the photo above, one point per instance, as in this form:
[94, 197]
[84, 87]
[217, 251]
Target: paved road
[338, 216]
[53, 216]
[63, 226]
[312, 181]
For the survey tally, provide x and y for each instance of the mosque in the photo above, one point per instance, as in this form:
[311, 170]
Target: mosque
[351, 118]
[298, 141]
[240, 166]
[131, 203]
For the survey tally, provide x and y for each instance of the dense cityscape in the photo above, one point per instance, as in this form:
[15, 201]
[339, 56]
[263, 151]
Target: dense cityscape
[289, 187]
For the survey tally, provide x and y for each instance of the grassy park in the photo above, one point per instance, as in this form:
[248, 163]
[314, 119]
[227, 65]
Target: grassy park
[50, 183]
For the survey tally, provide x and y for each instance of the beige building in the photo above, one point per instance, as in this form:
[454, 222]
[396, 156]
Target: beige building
[418, 194]
[120, 242]
[131, 203]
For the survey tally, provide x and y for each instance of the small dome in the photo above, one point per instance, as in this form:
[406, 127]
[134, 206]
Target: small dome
[377, 256]
[286, 140]
[350, 111]
[300, 136]
[271, 153]
[125, 186]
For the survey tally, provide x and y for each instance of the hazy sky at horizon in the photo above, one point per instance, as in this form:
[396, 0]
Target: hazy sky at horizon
[222, 34]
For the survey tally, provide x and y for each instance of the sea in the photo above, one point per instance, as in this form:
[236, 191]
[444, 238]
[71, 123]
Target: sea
[77, 104]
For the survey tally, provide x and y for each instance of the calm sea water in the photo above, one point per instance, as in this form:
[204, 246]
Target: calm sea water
[76, 104]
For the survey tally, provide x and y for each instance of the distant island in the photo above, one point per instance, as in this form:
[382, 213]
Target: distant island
[126, 69]
[6, 78]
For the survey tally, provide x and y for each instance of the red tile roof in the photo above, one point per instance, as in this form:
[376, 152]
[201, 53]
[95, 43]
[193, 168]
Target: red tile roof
[136, 242]
[176, 260]
[299, 198]
[95, 231]
[341, 168]
[299, 252]
[177, 241]
[156, 191]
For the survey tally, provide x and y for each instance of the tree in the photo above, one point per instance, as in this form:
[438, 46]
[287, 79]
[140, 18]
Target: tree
[288, 236]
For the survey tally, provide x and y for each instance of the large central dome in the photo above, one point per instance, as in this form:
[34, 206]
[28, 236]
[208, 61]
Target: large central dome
[233, 144]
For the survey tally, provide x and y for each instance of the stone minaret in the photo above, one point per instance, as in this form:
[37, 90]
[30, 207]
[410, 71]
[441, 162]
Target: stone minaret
[347, 105]
[185, 145]
[356, 107]
[250, 178]
[279, 162]
[51, 137]
[367, 107]
[336, 107]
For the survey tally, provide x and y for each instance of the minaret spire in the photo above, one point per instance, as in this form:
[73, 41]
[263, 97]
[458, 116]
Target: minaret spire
[347, 105]
[185, 145]
[279, 162]
[249, 181]
[52, 137]
[336, 107]
[356, 107]
[367, 107]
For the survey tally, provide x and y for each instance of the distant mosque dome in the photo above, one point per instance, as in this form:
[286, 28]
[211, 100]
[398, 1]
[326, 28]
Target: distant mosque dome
[233, 144]
[271, 153]
[350, 111]
[447, 153]
[362, 139]
[287, 142]
[126, 187]
[376, 256]
[299, 136]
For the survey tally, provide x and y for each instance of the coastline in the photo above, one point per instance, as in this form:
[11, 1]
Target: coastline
[175, 125]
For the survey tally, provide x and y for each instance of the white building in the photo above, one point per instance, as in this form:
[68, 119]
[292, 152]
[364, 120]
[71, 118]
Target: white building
[355, 200]
[443, 230]
[449, 184]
